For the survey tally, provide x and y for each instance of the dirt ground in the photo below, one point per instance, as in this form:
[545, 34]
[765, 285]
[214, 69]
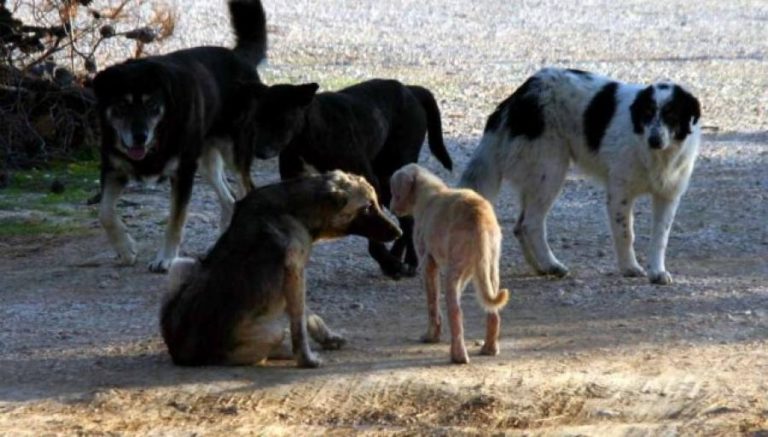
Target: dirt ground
[591, 354]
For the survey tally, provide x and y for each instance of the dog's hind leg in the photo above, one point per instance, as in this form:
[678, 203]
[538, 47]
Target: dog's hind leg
[181, 189]
[454, 286]
[213, 168]
[431, 275]
[539, 188]
[490, 296]
[257, 341]
[112, 186]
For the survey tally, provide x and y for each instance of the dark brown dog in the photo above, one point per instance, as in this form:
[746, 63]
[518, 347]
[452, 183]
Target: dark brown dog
[227, 307]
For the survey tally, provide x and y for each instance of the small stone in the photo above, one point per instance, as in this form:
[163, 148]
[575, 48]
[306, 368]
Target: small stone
[600, 253]
[57, 186]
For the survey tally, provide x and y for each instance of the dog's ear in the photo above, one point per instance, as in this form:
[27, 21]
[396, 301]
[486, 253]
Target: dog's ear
[252, 89]
[303, 94]
[643, 109]
[687, 110]
[335, 198]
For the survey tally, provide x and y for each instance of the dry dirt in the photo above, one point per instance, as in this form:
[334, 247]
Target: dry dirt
[592, 354]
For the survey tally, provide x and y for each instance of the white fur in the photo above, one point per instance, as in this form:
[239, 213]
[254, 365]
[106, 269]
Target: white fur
[625, 164]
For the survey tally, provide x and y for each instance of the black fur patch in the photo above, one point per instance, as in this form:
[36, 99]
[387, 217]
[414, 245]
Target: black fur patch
[680, 111]
[643, 109]
[598, 115]
[524, 115]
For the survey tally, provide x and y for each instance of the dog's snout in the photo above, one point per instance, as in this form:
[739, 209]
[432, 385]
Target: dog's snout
[654, 141]
[139, 137]
[375, 225]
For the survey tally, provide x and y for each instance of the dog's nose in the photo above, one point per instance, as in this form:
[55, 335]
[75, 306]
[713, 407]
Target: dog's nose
[139, 138]
[654, 141]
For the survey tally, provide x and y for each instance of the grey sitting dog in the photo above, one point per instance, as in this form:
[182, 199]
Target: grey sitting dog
[227, 308]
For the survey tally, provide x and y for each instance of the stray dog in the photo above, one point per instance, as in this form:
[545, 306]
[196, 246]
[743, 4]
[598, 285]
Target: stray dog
[635, 139]
[161, 114]
[370, 129]
[455, 233]
[227, 307]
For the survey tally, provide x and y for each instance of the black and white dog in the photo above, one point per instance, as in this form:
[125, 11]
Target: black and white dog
[635, 139]
[370, 129]
[162, 114]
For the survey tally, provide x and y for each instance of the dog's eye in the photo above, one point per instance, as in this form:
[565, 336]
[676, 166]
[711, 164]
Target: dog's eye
[153, 106]
[119, 108]
[367, 208]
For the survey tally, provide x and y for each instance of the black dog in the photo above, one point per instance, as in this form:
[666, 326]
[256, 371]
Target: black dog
[228, 307]
[370, 129]
[162, 114]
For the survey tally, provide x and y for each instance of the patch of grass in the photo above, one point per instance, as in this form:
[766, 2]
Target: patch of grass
[16, 228]
[29, 207]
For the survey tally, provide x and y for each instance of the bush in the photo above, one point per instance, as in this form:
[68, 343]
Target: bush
[49, 51]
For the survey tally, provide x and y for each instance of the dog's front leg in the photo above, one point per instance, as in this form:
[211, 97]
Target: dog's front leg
[620, 204]
[663, 215]
[181, 189]
[294, 292]
[112, 186]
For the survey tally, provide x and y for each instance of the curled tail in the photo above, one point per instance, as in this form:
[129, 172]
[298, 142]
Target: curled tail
[484, 171]
[250, 25]
[486, 280]
[434, 125]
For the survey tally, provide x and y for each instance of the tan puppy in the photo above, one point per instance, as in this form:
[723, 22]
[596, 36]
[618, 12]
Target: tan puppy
[455, 233]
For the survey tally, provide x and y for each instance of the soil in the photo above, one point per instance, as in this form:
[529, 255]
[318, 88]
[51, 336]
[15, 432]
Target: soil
[591, 354]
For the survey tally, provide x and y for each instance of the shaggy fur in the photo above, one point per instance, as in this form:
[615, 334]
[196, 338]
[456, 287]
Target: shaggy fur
[635, 139]
[227, 308]
[162, 114]
[370, 129]
[455, 233]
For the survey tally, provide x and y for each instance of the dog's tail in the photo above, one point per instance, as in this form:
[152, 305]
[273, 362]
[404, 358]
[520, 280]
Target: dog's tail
[486, 281]
[484, 172]
[434, 125]
[250, 24]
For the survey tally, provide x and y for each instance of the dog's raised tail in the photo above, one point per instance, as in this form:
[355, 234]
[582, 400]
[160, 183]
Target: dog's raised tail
[434, 125]
[250, 25]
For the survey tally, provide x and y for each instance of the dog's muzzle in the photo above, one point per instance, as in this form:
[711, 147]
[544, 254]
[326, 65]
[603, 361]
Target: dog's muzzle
[654, 142]
[375, 225]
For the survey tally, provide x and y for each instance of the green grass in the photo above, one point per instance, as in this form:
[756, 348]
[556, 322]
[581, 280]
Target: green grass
[16, 228]
[30, 192]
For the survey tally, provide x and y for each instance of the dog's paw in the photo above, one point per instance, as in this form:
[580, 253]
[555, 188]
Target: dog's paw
[127, 258]
[333, 342]
[160, 264]
[309, 361]
[660, 278]
[409, 271]
[633, 272]
[490, 349]
[558, 270]
[459, 358]
[126, 252]
[430, 337]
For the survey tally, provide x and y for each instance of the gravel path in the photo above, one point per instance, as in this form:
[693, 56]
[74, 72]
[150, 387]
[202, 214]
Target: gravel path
[593, 354]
